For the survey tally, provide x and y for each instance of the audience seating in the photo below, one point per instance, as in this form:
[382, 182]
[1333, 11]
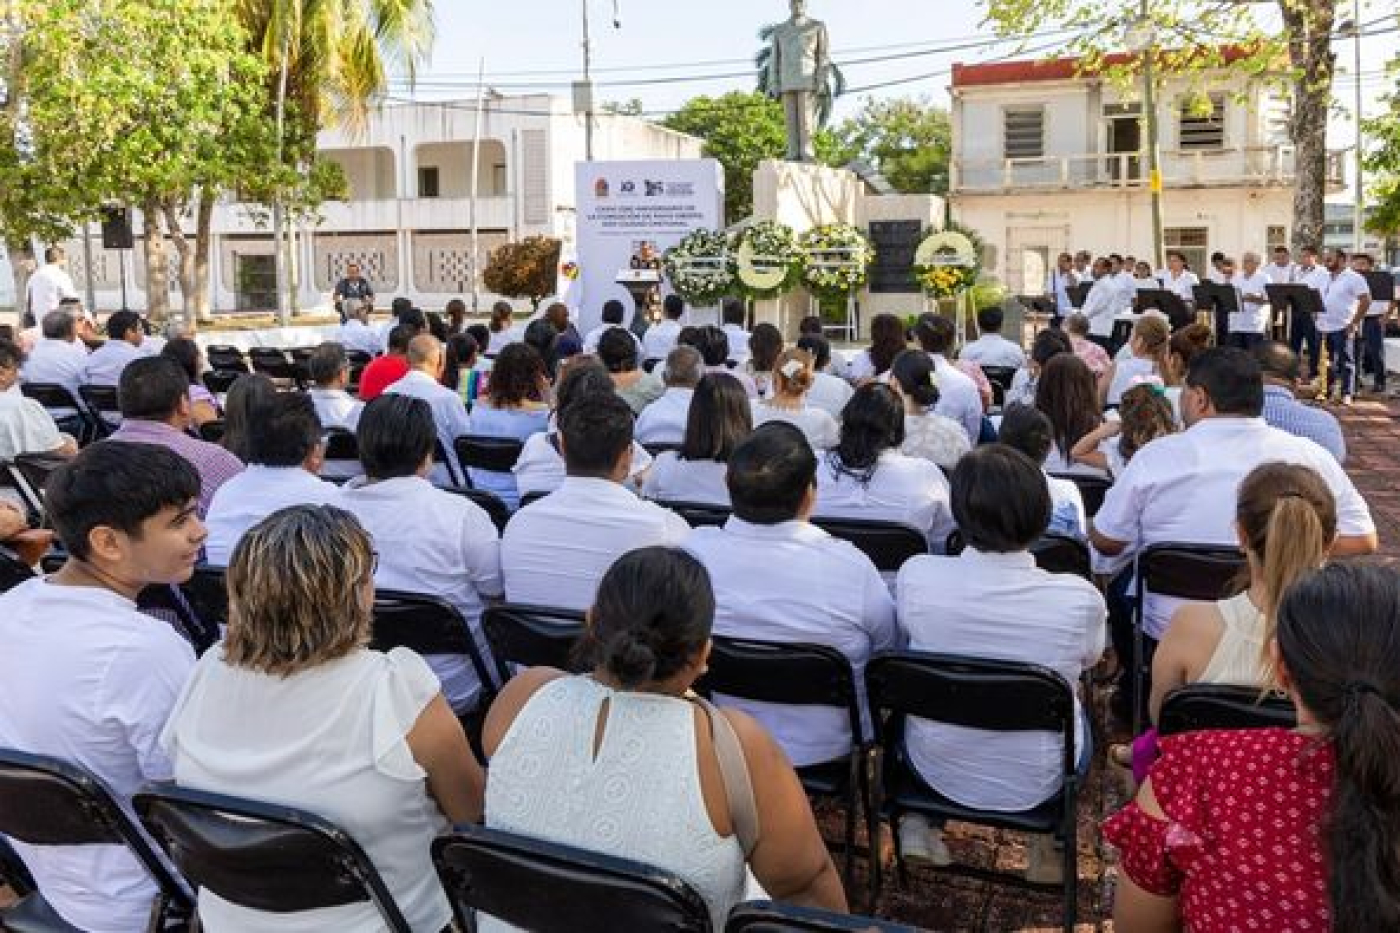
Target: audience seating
[173, 604]
[102, 403]
[887, 544]
[262, 856]
[1199, 572]
[489, 501]
[698, 514]
[358, 357]
[427, 625]
[275, 364]
[546, 887]
[219, 381]
[223, 356]
[13, 872]
[212, 431]
[440, 459]
[1223, 706]
[342, 455]
[1001, 696]
[796, 674]
[207, 594]
[1000, 378]
[775, 917]
[68, 412]
[658, 448]
[13, 572]
[28, 473]
[1092, 489]
[1062, 554]
[484, 452]
[650, 363]
[532, 497]
[50, 802]
[532, 636]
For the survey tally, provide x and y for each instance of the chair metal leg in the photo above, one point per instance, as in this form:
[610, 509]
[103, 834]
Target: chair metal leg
[853, 795]
[1137, 680]
[1071, 855]
[872, 817]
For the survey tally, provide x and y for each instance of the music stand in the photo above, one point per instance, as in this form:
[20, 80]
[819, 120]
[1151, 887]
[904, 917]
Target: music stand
[1297, 298]
[1381, 284]
[1168, 302]
[1223, 300]
[1078, 294]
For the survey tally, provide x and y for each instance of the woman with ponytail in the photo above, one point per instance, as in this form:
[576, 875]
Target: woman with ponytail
[1284, 829]
[1149, 357]
[625, 762]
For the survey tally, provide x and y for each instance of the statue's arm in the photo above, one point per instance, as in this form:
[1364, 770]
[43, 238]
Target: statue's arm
[823, 48]
[775, 68]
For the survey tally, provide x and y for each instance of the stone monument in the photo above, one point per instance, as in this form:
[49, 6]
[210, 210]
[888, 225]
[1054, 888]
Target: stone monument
[799, 74]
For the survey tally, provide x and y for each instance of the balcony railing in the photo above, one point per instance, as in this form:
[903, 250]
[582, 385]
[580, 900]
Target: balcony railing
[365, 215]
[1243, 166]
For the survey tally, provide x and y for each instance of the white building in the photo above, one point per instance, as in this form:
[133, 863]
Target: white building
[407, 219]
[1046, 159]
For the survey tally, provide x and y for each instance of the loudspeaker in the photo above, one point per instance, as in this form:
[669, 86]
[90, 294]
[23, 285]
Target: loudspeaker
[116, 228]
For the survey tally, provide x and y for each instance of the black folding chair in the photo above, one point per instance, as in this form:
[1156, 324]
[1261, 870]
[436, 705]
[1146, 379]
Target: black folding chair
[261, 856]
[47, 801]
[29, 473]
[658, 448]
[776, 917]
[998, 696]
[531, 498]
[1000, 378]
[698, 514]
[1092, 489]
[489, 501]
[207, 594]
[887, 544]
[274, 364]
[532, 636]
[219, 381]
[225, 357]
[427, 625]
[358, 357]
[1062, 554]
[342, 455]
[483, 452]
[546, 887]
[1199, 572]
[441, 459]
[1223, 706]
[212, 431]
[13, 572]
[796, 674]
[650, 363]
[68, 412]
[103, 404]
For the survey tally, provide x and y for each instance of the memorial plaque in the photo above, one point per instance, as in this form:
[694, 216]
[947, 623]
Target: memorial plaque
[896, 242]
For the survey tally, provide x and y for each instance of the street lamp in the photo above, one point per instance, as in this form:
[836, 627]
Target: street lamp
[1141, 37]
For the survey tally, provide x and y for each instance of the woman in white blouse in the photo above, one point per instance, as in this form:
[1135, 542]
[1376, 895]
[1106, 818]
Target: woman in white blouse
[865, 476]
[931, 436]
[1150, 357]
[1179, 279]
[294, 709]
[793, 373]
[888, 339]
[719, 420]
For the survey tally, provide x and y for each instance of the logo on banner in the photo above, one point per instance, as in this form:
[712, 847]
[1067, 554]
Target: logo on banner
[601, 188]
[655, 189]
[629, 187]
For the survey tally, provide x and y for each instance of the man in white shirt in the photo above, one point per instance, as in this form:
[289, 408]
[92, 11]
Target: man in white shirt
[355, 333]
[958, 397]
[1102, 305]
[1083, 267]
[614, 313]
[1218, 273]
[449, 411]
[1058, 285]
[555, 551]
[992, 601]
[1370, 342]
[125, 335]
[1122, 271]
[814, 588]
[1183, 487]
[59, 356]
[428, 540]
[87, 678]
[50, 284]
[664, 420]
[285, 458]
[660, 338]
[1303, 332]
[733, 313]
[991, 348]
[1249, 324]
[829, 393]
[26, 427]
[330, 374]
[1345, 300]
[1282, 270]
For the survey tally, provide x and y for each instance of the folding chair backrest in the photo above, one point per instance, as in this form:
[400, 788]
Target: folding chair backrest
[1063, 554]
[212, 431]
[657, 449]
[789, 673]
[550, 888]
[29, 473]
[219, 381]
[489, 501]
[774, 917]
[341, 445]
[101, 398]
[698, 514]
[483, 452]
[887, 544]
[1092, 489]
[222, 356]
[13, 572]
[260, 856]
[532, 636]
[441, 459]
[208, 594]
[1189, 571]
[51, 395]
[427, 625]
[1223, 706]
[1000, 375]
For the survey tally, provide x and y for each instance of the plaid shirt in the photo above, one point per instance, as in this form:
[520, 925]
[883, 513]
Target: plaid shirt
[1282, 410]
[215, 465]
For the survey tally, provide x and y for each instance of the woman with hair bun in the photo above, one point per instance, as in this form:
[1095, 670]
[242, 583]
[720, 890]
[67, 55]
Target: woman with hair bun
[793, 374]
[623, 761]
[928, 435]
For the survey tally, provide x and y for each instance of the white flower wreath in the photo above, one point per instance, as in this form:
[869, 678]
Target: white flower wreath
[770, 262]
[701, 267]
[838, 259]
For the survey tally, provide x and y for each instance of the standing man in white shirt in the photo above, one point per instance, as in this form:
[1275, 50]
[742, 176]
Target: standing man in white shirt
[355, 333]
[1345, 300]
[284, 463]
[1250, 323]
[815, 589]
[50, 284]
[1057, 288]
[1179, 279]
[663, 421]
[1102, 305]
[1183, 487]
[125, 335]
[1218, 273]
[423, 381]
[660, 338]
[1281, 271]
[86, 677]
[1303, 330]
[555, 551]
[733, 313]
[958, 397]
[1370, 342]
[991, 348]
[1083, 267]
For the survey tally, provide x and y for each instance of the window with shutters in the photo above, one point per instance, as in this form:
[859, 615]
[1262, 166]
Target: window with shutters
[1202, 129]
[1275, 235]
[429, 182]
[1023, 132]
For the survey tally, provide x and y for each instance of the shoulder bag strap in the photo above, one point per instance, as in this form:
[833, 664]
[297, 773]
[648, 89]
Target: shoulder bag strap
[738, 789]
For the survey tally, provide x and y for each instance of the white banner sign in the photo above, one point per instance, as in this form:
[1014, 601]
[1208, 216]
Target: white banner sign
[626, 207]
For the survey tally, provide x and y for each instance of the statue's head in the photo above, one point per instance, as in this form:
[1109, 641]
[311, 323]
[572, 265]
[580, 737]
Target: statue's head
[798, 7]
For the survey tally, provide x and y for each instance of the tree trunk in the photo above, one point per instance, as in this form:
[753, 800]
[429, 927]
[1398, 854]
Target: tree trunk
[184, 251]
[203, 245]
[157, 265]
[22, 265]
[1308, 27]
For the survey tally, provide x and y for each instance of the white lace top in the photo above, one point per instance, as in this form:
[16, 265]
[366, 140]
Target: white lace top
[640, 797]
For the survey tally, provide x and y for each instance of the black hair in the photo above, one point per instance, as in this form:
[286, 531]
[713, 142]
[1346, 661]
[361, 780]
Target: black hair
[415, 320]
[184, 351]
[720, 417]
[461, 350]
[1068, 395]
[11, 356]
[1277, 360]
[596, 432]
[1025, 428]
[770, 473]
[1048, 344]
[871, 423]
[395, 434]
[617, 348]
[733, 311]
[1000, 499]
[456, 313]
[122, 321]
[326, 363]
[399, 307]
[1340, 647]
[652, 615]
[913, 370]
[887, 340]
[810, 326]
[542, 337]
[935, 333]
[116, 484]
[989, 320]
[710, 341]
[243, 405]
[673, 307]
[819, 347]
[583, 379]
[1231, 378]
[284, 431]
[515, 378]
[152, 388]
[400, 336]
[481, 334]
[438, 327]
[613, 311]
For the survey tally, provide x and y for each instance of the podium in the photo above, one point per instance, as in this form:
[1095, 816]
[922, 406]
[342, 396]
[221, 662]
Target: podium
[641, 284]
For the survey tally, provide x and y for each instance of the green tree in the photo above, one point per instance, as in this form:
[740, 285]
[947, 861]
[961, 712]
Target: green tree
[908, 140]
[1382, 163]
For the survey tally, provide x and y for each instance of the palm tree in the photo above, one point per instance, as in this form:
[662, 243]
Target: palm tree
[830, 85]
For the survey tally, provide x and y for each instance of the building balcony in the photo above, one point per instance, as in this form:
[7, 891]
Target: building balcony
[492, 213]
[1253, 166]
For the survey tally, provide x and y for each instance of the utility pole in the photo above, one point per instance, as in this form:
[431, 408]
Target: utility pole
[1359, 205]
[284, 308]
[1142, 38]
[587, 88]
[476, 185]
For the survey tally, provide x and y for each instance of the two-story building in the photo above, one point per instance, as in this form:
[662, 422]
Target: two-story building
[1048, 159]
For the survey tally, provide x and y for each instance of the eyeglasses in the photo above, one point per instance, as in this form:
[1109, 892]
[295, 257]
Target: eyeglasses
[373, 563]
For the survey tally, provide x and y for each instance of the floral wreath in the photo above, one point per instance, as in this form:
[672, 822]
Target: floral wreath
[948, 262]
[701, 267]
[770, 261]
[838, 259]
